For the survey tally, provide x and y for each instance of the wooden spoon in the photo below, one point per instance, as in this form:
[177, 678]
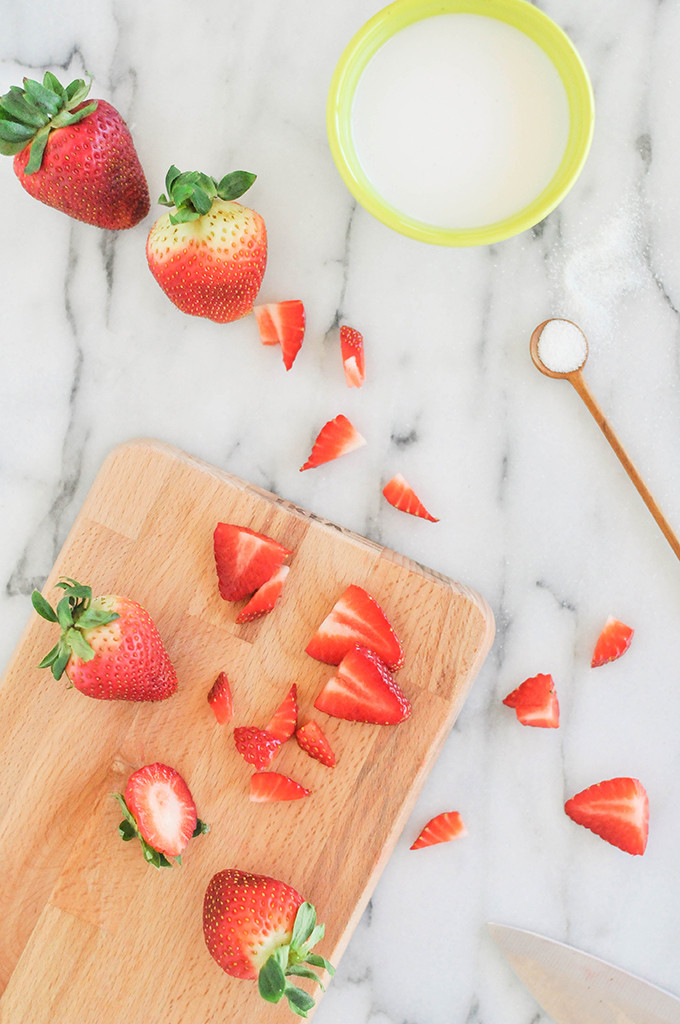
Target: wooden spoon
[577, 380]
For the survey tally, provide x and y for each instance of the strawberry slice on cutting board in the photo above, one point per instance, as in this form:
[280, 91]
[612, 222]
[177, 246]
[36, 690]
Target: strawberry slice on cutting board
[613, 641]
[364, 690]
[256, 746]
[282, 323]
[272, 787]
[312, 740]
[245, 560]
[356, 618]
[220, 699]
[283, 722]
[264, 599]
[617, 810]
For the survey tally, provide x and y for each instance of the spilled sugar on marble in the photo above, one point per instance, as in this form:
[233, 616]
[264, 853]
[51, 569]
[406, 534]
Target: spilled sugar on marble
[460, 120]
[562, 346]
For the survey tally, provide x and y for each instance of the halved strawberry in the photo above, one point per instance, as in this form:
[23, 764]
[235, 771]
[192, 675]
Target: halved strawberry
[337, 437]
[283, 722]
[220, 699]
[364, 690]
[264, 599]
[402, 496]
[441, 829]
[256, 746]
[535, 702]
[613, 641]
[356, 618]
[266, 787]
[352, 348]
[311, 738]
[617, 810]
[282, 323]
[244, 560]
[160, 811]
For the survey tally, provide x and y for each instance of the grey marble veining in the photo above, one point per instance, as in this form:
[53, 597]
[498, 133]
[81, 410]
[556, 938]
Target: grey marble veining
[535, 511]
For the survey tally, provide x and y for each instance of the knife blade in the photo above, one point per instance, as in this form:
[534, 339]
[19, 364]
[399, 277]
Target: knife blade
[577, 988]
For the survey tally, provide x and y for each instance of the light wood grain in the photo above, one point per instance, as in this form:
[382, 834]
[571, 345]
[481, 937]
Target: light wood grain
[88, 931]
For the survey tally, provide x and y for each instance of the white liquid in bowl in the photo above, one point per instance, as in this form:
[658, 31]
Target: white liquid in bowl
[460, 120]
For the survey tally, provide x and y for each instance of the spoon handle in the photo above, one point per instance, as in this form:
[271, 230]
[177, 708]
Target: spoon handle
[579, 383]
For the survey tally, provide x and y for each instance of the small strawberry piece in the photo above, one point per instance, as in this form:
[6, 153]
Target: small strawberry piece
[282, 724]
[220, 699]
[337, 437]
[160, 811]
[356, 618]
[364, 690]
[617, 810]
[282, 323]
[209, 253]
[256, 746]
[270, 787]
[352, 348]
[109, 646]
[441, 829]
[245, 560]
[252, 924]
[264, 599]
[535, 702]
[311, 738]
[613, 641]
[403, 497]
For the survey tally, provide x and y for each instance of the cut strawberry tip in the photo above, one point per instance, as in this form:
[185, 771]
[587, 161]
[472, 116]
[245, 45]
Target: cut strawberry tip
[612, 643]
[443, 828]
[402, 496]
[336, 438]
[282, 323]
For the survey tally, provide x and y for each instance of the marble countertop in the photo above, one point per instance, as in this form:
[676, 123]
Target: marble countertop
[536, 513]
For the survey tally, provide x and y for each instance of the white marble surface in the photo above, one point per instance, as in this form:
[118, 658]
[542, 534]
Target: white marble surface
[535, 511]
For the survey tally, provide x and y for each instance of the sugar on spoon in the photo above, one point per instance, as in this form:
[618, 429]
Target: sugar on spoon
[559, 349]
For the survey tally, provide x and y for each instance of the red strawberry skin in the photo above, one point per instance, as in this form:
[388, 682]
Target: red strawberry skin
[265, 597]
[163, 808]
[440, 829]
[613, 641]
[312, 740]
[284, 720]
[337, 437]
[282, 323]
[269, 787]
[256, 746]
[364, 690]
[356, 618]
[211, 267]
[617, 810]
[90, 171]
[535, 702]
[399, 494]
[245, 560]
[246, 917]
[220, 699]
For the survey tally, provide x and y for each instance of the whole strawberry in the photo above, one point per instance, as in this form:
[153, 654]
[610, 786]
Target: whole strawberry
[209, 255]
[73, 155]
[258, 928]
[109, 646]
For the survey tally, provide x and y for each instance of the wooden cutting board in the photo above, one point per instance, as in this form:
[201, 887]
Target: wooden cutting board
[90, 932]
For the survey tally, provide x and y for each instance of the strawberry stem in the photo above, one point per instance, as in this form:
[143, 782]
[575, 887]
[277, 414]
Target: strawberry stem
[295, 960]
[28, 115]
[74, 614]
[192, 193]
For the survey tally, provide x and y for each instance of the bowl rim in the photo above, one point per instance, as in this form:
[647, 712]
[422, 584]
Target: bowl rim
[520, 14]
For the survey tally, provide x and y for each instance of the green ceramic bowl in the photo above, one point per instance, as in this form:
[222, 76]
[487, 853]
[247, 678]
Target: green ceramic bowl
[521, 15]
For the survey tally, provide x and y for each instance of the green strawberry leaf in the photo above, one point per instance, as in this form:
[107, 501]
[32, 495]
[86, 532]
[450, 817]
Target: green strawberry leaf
[126, 831]
[183, 216]
[78, 644]
[301, 971]
[65, 613]
[47, 99]
[61, 662]
[75, 589]
[36, 151]
[305, 922]
[235, 184]
[43, 607]
[91, 617]
[22, 109]
[50, 657]
[173, 173]
[280, 954]
[70, 117]
[201, 828]
[11, 131]
[298, 1000]
[271, 980]
[76, 91]
[51, 82]
[320, 961]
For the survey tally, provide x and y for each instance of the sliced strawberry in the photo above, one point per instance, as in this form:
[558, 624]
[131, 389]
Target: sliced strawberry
[160, 809]
[256, 746]
[617, 810]
[337, 437]
[364, 690]
[535, 702]
[264, 599]
[441, 829]
[613, 641]
[356, 618]
[282, 323]
[245, 560]
[282, 724]
[220, 699]
[403, 497]
[311, 738]
[269, 786]
[352, 348]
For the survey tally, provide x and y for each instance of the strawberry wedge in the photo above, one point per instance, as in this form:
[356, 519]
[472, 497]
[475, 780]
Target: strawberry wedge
[283, 722]
[398, 492]
[256, 746]
[219, 699]
[337, 437]
[312, 740]
[535, 702]
[264, 599]
[613, 641]
[364, 690]
[356, 618]
[267, 787]
[282, 323]
[244, 560]
[352, 349]
[440, 829]
[617, 810]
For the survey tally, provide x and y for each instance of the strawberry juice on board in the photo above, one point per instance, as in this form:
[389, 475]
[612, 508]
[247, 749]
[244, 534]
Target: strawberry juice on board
[460, 120]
